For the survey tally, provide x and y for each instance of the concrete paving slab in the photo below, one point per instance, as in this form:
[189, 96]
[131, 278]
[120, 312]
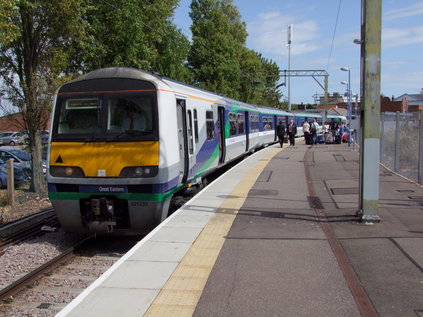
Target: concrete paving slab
[414, 248]
[155, 251]
[172, 234]
[140, 274]
[390, 279]
[191, 220]
[105, 302]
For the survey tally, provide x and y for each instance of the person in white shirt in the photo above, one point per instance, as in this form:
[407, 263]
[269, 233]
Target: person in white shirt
[306, 131]
[314, 128]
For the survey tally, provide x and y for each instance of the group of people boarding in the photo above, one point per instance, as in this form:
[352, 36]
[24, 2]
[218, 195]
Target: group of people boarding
[332, 132]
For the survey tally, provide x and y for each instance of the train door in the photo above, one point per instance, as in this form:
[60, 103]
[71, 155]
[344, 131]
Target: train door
[221, 126]
[275, 125]
[247, 130]
[183, 141]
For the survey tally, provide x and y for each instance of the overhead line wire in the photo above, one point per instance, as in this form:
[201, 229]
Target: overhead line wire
[333, 36]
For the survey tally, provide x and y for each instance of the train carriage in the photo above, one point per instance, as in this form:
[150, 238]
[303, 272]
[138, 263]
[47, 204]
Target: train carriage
[124, 141]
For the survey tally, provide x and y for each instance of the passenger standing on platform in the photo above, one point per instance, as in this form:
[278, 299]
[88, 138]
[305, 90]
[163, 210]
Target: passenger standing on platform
[334, 127]
[292, 131]
[314, 128]
[280, 131]
[306, 131]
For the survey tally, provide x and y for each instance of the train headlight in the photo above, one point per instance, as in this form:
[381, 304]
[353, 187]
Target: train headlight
[139, 171]
[67, 171]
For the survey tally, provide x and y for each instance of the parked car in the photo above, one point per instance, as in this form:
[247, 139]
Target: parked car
[44, 137]
[21, 159]
[11, 138]
[18, 173]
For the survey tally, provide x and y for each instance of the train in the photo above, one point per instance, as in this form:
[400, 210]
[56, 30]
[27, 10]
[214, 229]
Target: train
[124, 141]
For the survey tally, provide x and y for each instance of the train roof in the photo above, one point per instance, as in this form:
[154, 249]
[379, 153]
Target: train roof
[138, 74]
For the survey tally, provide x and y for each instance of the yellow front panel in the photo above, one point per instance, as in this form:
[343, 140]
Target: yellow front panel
[104, 157]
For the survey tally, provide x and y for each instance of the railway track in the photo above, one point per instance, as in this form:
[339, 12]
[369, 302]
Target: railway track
[47, 289]
[27, 228]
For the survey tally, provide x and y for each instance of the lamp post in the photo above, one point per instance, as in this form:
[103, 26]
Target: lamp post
[289, 41]
[346, 69]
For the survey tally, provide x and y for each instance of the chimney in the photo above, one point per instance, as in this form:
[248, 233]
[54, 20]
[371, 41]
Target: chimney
[393, 98]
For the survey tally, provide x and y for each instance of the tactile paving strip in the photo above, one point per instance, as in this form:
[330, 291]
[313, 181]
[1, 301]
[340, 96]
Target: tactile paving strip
[180, 294]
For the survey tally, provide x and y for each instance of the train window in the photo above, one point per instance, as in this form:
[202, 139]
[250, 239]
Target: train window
[232, 124]
[190, 138]
[270, 123]
[240, 121]
[254, 122]
[130, 114]
[79, 116]
[210, 125]
[267, 123]
[195, 126]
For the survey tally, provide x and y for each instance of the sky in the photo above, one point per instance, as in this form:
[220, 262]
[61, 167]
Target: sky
[321, 41]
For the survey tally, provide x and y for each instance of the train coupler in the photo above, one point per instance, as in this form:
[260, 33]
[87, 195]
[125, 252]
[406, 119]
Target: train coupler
[99, 215]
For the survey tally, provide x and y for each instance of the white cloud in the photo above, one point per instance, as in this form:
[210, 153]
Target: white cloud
[397, 84]
[413, 10]
[269, 34]
[393, 37]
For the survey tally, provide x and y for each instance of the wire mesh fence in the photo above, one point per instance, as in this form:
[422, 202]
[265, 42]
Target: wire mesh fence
[401, 143]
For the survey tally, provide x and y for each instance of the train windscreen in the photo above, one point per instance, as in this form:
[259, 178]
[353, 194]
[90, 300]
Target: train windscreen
[106, 115]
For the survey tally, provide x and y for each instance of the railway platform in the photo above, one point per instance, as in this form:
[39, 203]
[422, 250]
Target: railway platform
[277, 235]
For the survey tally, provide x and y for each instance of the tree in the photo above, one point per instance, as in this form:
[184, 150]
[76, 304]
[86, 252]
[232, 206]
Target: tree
[133, 33]
[259, 80]
[252, 77]
[271, 96]
[32, 63]
[218, 39]
[8, 30]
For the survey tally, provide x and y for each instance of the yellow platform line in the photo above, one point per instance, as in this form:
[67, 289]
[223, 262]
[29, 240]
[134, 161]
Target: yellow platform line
[180, 294]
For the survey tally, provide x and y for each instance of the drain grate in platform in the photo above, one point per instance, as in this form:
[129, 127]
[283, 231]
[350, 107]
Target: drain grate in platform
[405, 190]
[345, 191]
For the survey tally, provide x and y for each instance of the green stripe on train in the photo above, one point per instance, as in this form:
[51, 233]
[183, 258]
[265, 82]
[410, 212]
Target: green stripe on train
[127, 196]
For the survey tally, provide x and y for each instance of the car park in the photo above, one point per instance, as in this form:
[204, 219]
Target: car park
[19, 175]
[11, 138]
[21, 159]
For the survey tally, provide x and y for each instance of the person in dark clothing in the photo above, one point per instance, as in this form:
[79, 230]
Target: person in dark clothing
[292, 131]
[280, 131]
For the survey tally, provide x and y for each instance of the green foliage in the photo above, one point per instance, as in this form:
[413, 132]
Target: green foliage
[32, 62]
[218, 40]
[8, 30]
[219, 60]
[133, 33]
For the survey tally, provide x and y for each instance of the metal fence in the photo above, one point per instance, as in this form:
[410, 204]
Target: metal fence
[401, 143]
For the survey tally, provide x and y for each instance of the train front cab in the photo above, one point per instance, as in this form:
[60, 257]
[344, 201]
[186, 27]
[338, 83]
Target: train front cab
[104, 175]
